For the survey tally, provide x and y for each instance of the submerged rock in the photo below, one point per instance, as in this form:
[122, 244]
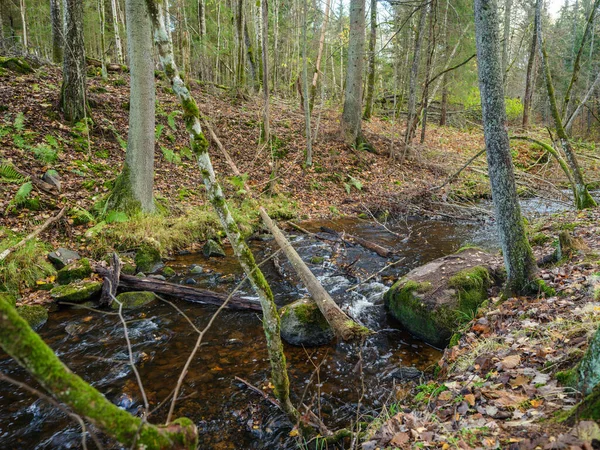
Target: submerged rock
[34, 315]
[76, 292]
[406, 373]
[133, 299]
[433, 300]
[77, 270]
[303, 324]
[62, 257]
[212, 248]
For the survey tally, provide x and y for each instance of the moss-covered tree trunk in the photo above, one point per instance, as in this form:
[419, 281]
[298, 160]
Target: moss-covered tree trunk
[29, 350]
[199, 145]
[371, 68]
[73, 99]
[134, 187]
[518, 257]
[583, 199]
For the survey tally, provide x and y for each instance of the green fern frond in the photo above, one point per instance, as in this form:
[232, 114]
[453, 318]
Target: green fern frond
[23, 193]
[8, 174]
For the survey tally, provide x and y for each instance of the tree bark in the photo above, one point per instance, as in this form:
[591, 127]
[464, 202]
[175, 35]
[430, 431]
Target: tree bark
[351, 115]
[73, 98]
[518, 257]
[266, 125]
[199, 146]
[305, 94]
[102, 13]
[56, 18]
[506, 38]
[250, 56]
[530, 77]
[27, 348]
[24, 25]
[371, 69]
[313, 88]
[117, 31]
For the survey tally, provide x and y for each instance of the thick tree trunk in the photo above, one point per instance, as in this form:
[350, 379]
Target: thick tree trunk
[73, 98]
[313, 88]
[266, 125]
[56, 18]
[134, 188]
[583, 199]
[199, 146]
[117, 31]
[518, 257]
[371, 68]
[351, 115]
[530, 77]
[414, 74]
[305, 94]
[27, 348]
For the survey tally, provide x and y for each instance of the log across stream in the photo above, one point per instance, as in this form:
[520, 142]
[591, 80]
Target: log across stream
[229, 415]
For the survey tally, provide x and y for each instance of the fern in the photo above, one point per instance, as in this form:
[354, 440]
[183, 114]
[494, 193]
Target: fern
[23, 193]
[19, 122]
[8, 174]
[171, 120]
[45, 153]
[116, 217]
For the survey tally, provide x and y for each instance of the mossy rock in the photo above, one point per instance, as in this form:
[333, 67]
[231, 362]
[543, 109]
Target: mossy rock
[134, 299]
[5, 296]
[434, 300]
[147, 258]
[212, 248]
[77, 270]
[76, 292]
[34, 315]
[168, 271]
[303, 324]
[18, 65]
[62, 257]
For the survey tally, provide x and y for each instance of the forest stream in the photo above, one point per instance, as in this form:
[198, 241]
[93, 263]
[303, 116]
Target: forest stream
[228, 414]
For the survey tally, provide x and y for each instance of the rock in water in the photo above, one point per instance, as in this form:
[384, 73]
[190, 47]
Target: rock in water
[76, 292]
[433, 300]
[212, 248]
[62, 257]
[303, 324]
[133, 300]
[34, 315]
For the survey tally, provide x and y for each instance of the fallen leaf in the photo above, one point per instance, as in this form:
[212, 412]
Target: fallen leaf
[400, 439]
[470, 398]
[510, 362]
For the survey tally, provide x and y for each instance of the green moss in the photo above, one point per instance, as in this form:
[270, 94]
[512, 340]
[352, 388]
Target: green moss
[18, 65]
[9, 298]
[77, 270]
[34, 315]
[467, 247]
[539, 239]
[168, 272]
[133, 300]
[544, 288]
[317, 260]
[146, 258]
[454, 340]
[567, 377]
[76, 292]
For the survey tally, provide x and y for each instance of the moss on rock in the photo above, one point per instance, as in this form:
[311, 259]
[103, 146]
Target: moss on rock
[146, 258]
[168, 272]
[77, 270]
[302, 323]
[76, 292]
[18, 65]
[133, 300]
[34, 315]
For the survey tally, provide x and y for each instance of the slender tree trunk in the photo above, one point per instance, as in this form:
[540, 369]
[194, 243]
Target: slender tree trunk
[530, 77]
[275, 44]
[204, 63]
[444, 80]
[583, 102]
[73, 98]
[239, 20]
[429, 65]
[250, 53]
[308, 160]
[351, 115]
[24, 25]
[518, 257]
[313, 88]
[266, 125]
[102, 14]
[29, 350]
[56, 17]
[583, 199]
[371, 69]
[199, 145]
[506, 38]
[414, 74]
[135, 185]
[117, 31]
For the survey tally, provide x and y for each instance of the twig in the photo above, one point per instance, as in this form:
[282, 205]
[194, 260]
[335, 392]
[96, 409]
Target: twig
[111, 281]
[456, 174]
[379, 223]
[387, 266]
[261, 393]
[30, 236]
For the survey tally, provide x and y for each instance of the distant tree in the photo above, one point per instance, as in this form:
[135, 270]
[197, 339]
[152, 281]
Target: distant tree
[518, 257]
[56, 18]
[371, 67]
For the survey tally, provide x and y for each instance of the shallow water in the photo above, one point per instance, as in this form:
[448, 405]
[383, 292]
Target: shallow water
[228, 415]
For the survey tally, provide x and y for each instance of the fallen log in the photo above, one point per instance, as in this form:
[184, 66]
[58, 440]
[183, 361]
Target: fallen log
[380, 250]
[179, 291]
[110, 67]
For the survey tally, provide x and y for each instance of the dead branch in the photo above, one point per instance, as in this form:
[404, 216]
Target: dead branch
[111, 281]
[380, 250]
[457, 173]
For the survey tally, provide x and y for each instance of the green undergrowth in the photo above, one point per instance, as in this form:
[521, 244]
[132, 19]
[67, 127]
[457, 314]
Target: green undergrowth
[26, 265]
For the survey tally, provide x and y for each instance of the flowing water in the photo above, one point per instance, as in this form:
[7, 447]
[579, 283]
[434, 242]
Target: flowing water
[228, 415]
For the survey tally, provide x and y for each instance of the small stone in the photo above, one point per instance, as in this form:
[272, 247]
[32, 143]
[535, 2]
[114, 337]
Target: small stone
[191, 281]
[168, 271]
[53, 178]
[140, 275]
[147, 259]
[212, 248]
[158, 277]
[133, 300]
[62, 257]
[76, 292]
[196, 269]
[407, 373]
[34, 315]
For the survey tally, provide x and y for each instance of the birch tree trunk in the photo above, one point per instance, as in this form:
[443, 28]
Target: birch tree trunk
[134, 187]
[29, 350]
[266, 125]
[24, 25]
[199, 146]
[56, 18]
[583, 198]
[73, 99]
[371, 69]
[313, 88]
[115, 21]
[308, 159]
[414, 74]
[351, 115]
[518, 257]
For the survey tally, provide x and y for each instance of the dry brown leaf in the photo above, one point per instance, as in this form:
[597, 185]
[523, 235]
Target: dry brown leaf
[400, 439]
[470, 398]
[510, 362]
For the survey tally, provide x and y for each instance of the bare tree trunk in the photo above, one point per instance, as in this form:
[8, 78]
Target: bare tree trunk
[56, 17]
[266, 125]
[530, 77]
[583, 199]
[313, 89]
[102, 14]
[203, 37]
[351, 115]
[117, 31]
[306, 101]
[506, 38]
[29, 350]
[73, 98]
[371, 69]
[518, 257]
[239, 20]
[199, 145]
[250, 52]
[429, 65]
[24, 25]
[276, 45]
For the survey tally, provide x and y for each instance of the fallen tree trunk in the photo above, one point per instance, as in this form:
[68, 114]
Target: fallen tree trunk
[109, 67]
[380, 250]
[188, 293]
[31, 352]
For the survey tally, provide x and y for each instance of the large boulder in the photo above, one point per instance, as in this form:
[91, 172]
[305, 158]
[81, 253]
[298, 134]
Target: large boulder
[76, 292]
[77, 270]
[62, 257]
[303, 324]
[432, 301]
[34, 315]
[133, 300]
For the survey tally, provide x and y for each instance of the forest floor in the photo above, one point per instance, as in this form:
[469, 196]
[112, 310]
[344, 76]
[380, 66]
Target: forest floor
[497, 387]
